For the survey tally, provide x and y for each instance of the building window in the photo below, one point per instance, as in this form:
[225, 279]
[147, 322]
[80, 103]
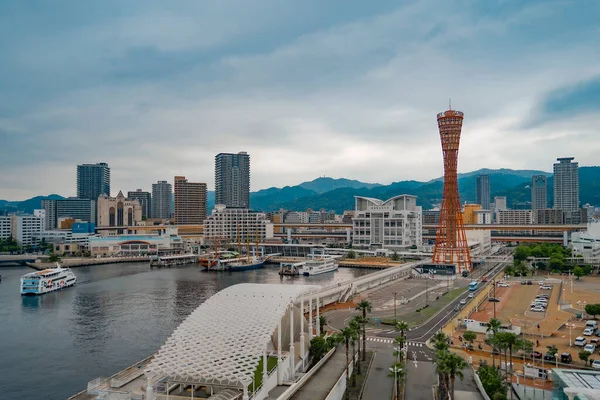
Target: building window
[120, 214]
[111, 216]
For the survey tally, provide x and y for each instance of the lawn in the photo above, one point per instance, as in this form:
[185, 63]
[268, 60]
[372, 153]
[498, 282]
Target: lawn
[271, 363]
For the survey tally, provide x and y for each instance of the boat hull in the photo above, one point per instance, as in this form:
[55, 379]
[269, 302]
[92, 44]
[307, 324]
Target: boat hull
[246, 267]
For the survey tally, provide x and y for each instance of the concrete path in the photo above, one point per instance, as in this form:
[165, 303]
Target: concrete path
[321, 383]
[379, 386]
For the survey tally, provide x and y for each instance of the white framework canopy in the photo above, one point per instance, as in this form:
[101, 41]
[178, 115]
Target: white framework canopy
[224, 338]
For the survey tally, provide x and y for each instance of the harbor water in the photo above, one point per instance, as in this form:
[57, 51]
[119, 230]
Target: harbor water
[116, 315]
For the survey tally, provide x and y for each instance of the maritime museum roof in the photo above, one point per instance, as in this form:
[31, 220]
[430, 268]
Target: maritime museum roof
[224, 338]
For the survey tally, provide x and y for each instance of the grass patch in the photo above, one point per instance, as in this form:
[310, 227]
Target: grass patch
[258, 377]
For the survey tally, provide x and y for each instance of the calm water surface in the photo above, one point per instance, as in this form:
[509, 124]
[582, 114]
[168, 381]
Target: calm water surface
[117, 314]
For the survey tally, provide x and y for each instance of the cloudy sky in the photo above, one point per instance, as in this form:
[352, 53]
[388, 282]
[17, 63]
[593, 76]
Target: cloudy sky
[308, 88]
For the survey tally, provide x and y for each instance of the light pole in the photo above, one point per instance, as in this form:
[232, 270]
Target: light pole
[395, 316]
[396, 370]
[556, 356]
[570, 326]
[398, 349]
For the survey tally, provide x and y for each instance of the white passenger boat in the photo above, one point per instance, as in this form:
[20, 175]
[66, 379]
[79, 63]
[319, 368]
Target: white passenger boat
[47, 281]
[319, 265]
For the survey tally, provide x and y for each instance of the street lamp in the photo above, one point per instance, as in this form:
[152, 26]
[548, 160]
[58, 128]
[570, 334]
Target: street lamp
[396, 370]
[556, 355]
[395, 317]
[570, 326]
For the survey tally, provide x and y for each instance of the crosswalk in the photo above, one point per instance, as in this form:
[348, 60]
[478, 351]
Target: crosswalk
[388, 340]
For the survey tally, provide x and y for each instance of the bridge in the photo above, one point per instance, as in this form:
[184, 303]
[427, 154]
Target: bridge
[519, 227]
[20, 259]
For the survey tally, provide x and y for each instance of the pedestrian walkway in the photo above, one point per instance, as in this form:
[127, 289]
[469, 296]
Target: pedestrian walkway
[380, 340]
[320, 384]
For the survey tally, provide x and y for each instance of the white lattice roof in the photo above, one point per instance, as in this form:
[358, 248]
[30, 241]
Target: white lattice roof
[224, 338]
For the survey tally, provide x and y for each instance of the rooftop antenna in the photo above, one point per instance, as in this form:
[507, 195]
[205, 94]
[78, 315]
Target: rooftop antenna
[450, 103]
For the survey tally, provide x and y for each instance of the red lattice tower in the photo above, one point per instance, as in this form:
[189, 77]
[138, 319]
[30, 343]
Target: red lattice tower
[451, 245]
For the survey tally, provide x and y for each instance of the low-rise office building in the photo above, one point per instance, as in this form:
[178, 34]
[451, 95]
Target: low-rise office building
[395, 223]
[134, 245]
[233, 224]
[118, 212]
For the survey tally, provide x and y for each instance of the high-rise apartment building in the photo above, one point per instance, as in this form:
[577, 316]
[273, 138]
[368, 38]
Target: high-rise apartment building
[5, 227]
[539, 192]
[25, 227]
[482, 191]
[233, 224]
[190, 202]
[232, 179]
[145, 199]
[78, 209]
[162, 194]
[93, 180]
[566, 184]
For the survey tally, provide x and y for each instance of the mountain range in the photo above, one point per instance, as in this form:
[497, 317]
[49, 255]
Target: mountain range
[338, 194]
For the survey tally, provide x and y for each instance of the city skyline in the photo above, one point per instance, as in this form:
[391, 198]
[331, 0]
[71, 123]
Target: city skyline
[306, 91]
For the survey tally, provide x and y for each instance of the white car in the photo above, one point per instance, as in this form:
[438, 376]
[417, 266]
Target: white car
[596, 364]
[546, 287]
[503, 284]
[463, 301]
[588, 331]
[537, 309]
[590, 347]
[471, 295]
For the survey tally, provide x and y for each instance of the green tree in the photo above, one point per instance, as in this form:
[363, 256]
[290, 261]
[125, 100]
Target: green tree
[521, 253]
[356, 327]
[351, 255]
[584, 356]
[398, 376]
[318, 348]
[452, 365]
[578, 272]
[323, 321]
[556, 263]
[347, 333]
[53, 258]
[401, 327]
[364, 306]
[592, 309]
[440, 341]
[493, 328]
[492, 382]
[470, 337]
[395, 256]
[399, 342]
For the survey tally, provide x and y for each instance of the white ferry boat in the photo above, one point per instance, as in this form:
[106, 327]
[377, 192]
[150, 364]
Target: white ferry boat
[47, 281]
[319, 265]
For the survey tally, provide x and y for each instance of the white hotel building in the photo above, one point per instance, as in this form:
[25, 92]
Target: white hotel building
[232, 224]
[392, 224]
[25, 227]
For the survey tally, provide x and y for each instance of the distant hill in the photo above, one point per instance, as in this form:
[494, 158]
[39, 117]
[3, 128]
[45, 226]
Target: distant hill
[26, 206]
[324, 184]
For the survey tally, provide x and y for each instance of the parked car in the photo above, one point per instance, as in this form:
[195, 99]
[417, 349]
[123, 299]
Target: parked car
[534, 354]
[537, 309]
[566, 358]
[542, 296]
[463, 301]
[596, 364]
[590, 347]
[580, 341]
[546, 287]
[529, 283]
[493, 299]
[588, 332]
[550, 356]
[503, 284]
[591, 324]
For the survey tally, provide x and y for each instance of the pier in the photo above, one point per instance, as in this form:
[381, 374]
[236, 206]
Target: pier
[169, 261]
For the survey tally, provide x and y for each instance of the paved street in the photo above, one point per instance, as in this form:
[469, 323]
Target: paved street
[420, 379]
[379, 385]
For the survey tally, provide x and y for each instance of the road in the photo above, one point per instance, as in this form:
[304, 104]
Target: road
[420, 368]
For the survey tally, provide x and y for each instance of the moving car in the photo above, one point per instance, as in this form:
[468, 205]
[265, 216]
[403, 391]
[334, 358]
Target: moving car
[590, 347]
[471, 295]
[463, 301]
[537, 309]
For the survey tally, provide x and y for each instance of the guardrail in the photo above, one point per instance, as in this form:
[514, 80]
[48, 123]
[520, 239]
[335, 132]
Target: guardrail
[297, 385]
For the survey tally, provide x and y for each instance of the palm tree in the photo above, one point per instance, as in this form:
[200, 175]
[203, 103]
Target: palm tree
[365, 307]
[397, 375]
[347, 333]
[440, 341]
[399, 342]
[402, 327]
[360, 322]
[453, 366]
[442, 372]
[355, 326]
[501, 342]
[512, 341]
[323, 321]
[493, 327]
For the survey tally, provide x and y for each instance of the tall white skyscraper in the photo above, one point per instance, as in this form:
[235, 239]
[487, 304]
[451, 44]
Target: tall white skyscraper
[566, 184]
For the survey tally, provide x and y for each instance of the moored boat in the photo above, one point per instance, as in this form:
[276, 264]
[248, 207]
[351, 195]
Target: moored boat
[46, 281]
[319, 265]
[290, 268]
